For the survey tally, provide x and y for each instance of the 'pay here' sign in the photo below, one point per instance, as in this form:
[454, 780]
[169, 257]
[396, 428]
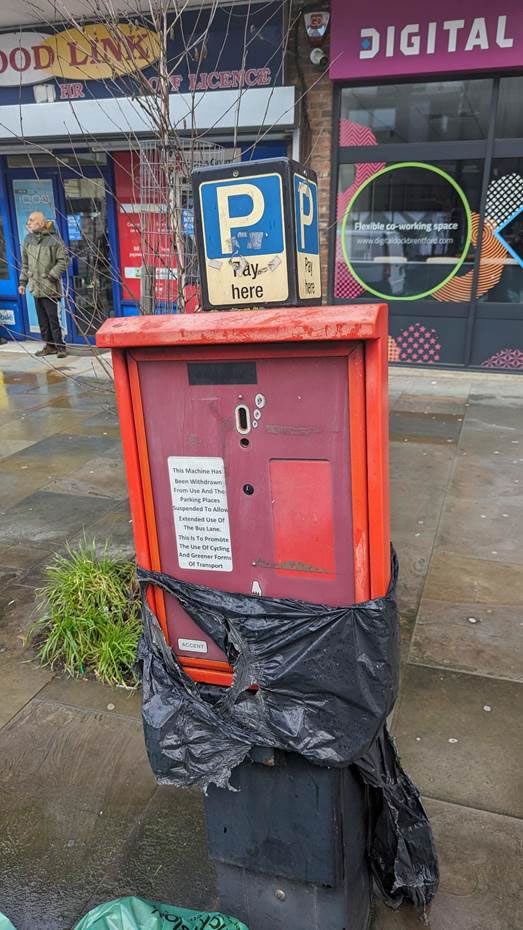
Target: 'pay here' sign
[257, 232]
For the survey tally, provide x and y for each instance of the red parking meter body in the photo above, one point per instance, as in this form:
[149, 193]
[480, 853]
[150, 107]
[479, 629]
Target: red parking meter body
[255, 446]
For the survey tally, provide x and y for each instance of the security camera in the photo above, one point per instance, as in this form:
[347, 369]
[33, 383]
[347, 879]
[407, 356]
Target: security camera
[318, 56]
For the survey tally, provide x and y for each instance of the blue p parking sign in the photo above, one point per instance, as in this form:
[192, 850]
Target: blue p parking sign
[257, 234]
[244, 240]
[243, 217]
[307, 237]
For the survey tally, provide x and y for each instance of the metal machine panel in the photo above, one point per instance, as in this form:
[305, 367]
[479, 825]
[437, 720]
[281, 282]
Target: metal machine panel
[250, 473]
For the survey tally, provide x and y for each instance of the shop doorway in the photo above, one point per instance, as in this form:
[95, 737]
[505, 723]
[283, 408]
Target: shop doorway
[78, 200]
[91, 270]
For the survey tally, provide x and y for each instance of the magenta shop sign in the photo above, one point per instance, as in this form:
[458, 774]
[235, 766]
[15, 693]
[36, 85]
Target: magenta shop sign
[384, 39]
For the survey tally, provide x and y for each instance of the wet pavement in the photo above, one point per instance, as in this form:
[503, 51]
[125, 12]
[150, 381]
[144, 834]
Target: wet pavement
[81, 818]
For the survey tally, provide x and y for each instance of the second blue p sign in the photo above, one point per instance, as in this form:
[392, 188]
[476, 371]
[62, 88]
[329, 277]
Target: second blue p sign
[257, 234]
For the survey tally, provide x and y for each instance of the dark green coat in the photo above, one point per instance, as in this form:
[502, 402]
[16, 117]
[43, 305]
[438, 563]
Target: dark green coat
[44, 260]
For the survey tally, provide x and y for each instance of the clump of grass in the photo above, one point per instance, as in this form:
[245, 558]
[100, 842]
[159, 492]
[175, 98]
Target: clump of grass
[90, 615]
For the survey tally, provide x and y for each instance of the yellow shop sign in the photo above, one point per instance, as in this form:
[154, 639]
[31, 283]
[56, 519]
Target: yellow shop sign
[96, 51]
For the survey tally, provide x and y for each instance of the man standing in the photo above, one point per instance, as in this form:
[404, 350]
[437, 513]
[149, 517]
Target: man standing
[44, 260]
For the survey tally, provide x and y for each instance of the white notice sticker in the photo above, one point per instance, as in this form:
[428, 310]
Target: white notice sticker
[201, 515]
[192, 645]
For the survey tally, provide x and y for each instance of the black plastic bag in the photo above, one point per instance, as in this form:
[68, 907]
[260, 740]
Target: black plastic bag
[326, 679]
[401, 848]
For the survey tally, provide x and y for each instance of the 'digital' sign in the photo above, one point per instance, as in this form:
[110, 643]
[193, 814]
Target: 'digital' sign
[257, 234]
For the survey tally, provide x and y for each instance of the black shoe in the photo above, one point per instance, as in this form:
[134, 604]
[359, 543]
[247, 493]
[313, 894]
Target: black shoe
[47, 350]
[61, 352]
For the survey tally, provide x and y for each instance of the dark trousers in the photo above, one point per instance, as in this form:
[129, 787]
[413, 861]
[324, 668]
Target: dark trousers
[47, 312]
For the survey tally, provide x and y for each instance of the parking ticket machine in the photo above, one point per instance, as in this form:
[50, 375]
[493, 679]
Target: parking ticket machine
[255, 445]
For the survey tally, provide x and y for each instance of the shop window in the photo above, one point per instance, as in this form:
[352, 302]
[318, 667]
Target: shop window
[426, 112]
[501, 274]
[509, 118]
[407, 231]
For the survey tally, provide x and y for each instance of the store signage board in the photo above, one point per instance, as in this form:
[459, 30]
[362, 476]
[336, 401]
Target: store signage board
[402, 39]
[256, 227]
[206, 51]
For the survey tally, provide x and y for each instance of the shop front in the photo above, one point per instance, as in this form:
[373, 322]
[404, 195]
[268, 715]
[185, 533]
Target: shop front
[427, 195]
[77, 108]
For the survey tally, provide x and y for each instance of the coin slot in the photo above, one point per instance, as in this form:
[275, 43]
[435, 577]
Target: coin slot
[243, 419]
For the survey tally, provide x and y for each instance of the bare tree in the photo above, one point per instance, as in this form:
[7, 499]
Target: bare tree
[160, 165]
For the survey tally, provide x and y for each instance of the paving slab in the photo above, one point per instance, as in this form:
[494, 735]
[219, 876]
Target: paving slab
[92, 695]
[56, 455]
[422, 427]
[103, 476]
[18, 612]
[22, 679]
[480, 887]
[415, 505]
[115, 529]
[17, 382]
[10, 446]
[429, 463]
[165, 857]
[461, 580]
[476, 480]
[43, 422]
[15, 405]
[15, 487]
[452, 747]
[23, 556]
[50, 519]
[74, 784]
[431, 404]
[414, 553]
[457, 384]
[488, 438]
[488, 528]
[103, 423]
[470, 637]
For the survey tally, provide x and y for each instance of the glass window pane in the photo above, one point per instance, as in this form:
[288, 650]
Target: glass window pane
[501, 273]
[430, 112]
[407, 232]
[4, 267]
[509, 117]
[86, 212]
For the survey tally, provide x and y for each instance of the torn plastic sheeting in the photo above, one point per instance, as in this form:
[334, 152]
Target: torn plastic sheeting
[326, 679]
[137, 914]
[401, 847]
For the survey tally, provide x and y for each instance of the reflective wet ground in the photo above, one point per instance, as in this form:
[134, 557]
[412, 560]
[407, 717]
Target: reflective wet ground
[81, 819]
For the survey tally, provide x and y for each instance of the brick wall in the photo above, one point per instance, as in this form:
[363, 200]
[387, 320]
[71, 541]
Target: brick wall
[315, 112]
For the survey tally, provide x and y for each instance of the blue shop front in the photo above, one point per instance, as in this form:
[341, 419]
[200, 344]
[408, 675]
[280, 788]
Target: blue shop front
[73, 123]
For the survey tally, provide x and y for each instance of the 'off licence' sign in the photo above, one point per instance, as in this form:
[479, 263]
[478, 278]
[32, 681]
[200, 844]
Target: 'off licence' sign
[257, 234]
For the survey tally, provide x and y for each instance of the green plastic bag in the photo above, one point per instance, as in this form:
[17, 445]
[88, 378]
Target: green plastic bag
[136, 914]
[5, 923]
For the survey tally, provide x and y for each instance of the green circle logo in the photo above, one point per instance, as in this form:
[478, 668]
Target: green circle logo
[387, 170]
